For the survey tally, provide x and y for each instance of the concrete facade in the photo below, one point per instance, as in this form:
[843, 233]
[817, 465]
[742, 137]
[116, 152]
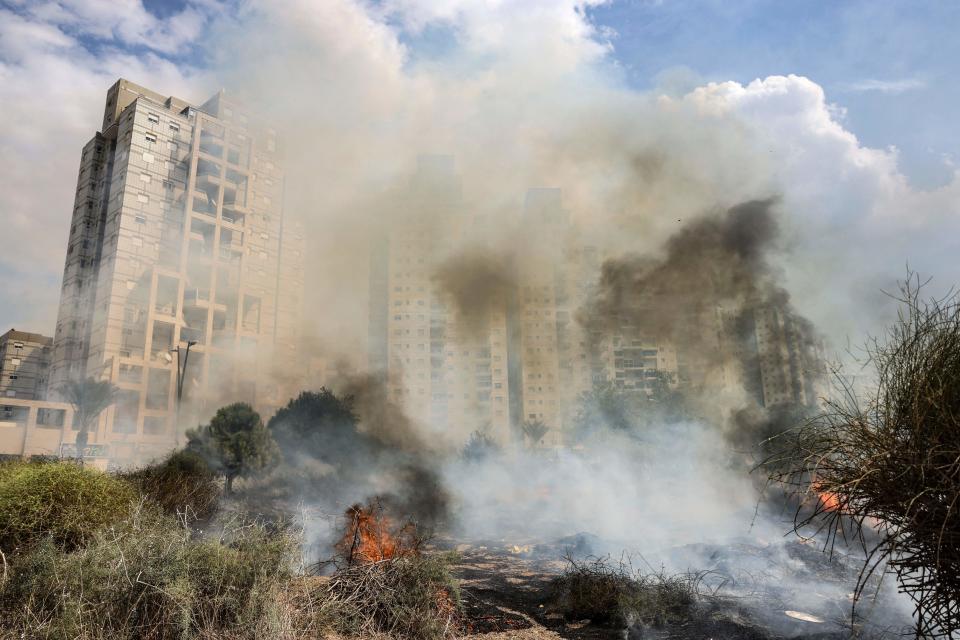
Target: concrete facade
[178, 234]
[24, 365]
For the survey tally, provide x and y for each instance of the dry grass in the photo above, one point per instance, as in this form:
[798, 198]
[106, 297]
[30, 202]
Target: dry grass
[146, 577]
[406, 597]
[614, 594]
[183, 484]
[890, 461]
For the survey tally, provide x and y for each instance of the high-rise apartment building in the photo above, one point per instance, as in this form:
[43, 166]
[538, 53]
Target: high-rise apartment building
[444, 371]
[24, 364]
[178, 238]
[528, 357]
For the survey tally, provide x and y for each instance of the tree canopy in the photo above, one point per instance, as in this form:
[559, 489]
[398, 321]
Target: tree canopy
[235, 443]
[89, 398]
[320, 424]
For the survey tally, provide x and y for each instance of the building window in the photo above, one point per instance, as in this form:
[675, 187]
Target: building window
[151, 137]
[15, 361]
[154, 118]
[174, 126]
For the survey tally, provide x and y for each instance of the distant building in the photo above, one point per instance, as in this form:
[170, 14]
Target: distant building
[24, 365]
[178, 235]
[442, 371]
[529, 358]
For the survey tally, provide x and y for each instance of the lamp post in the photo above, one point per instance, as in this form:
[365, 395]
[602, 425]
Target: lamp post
[181, 374]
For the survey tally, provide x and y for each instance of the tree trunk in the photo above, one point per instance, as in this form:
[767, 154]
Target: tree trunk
[229, 484]
[81, 443]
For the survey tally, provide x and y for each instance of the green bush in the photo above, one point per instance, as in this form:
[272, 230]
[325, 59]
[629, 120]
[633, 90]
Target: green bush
[147, 578]
[183, 483]
[62, 501]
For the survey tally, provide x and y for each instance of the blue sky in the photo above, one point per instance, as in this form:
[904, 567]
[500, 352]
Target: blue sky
[893, 65]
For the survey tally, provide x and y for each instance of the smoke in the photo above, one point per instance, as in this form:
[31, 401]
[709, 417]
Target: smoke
[489, 170]
[478, 283]
[717, 260]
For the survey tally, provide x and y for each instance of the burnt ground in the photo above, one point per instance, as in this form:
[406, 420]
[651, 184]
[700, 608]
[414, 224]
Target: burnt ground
[506, 594]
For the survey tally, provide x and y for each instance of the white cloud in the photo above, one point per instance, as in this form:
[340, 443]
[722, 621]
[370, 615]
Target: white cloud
[52, 89]
[886, 86]
[855, 220]
[126, 22]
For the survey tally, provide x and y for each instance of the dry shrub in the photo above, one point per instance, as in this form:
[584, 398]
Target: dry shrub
[183, 484]
[614, 594]
[890, 459]
[409, 597]
[147, 578]
[60, 501]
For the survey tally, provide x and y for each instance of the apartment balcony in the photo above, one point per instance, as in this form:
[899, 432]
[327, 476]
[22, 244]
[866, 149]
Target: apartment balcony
[234, 214]
[209, 182]
[193, 297]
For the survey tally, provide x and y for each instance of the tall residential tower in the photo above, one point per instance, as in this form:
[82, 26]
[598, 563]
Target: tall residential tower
[178, 237]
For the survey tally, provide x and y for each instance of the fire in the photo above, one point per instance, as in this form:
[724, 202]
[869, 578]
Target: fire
[371, 536]
[829, 499]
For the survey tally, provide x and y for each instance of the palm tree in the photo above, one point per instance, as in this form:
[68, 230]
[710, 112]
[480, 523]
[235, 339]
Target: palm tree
[89, 398]
[534, 430]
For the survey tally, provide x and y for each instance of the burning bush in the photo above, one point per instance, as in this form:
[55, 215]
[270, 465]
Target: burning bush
[615, 595]
[383, 584]
[371, 536]
[894, 461]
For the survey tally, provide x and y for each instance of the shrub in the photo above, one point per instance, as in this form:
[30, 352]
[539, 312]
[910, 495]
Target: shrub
[146, 578]
[480, 447]
[614, 595]
[183, 484]
[890, 458]
[62, 501]
[409, 597]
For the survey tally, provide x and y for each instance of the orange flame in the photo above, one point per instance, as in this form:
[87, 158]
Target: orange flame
[828, 499]
[371, 536]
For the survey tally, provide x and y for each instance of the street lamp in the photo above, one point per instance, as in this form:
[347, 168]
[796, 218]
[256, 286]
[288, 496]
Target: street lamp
[181, 375]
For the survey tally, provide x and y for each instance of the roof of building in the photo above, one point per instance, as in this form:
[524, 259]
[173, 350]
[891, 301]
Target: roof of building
[25, 336]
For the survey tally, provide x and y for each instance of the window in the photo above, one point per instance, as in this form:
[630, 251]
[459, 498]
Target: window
[14, 376]
[154, 118]
[140, 219]
[145, 177]
[151, 137]
[174, 126]
[15, 361]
